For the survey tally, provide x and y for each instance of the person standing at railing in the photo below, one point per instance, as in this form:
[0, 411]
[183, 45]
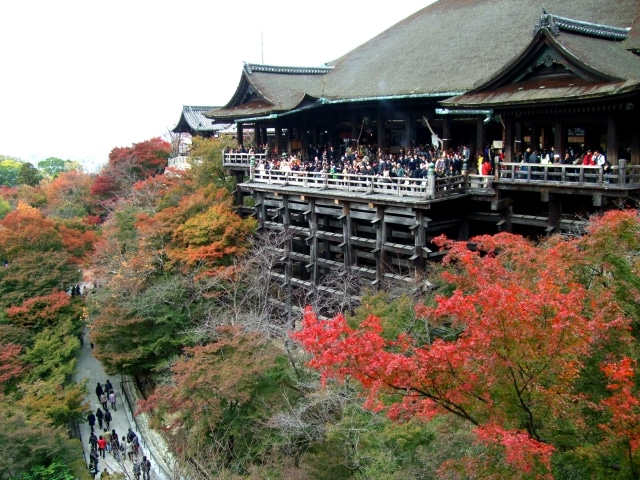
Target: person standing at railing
[588, 158]
[486, 167]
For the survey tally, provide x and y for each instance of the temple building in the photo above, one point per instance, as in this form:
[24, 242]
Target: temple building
[494, 76]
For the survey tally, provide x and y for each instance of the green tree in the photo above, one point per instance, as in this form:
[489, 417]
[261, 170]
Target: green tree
[52, 166]
[9, 170]
[28, 175]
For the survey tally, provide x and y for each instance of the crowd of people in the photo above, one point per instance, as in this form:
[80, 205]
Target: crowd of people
[108, 441]
[411, 164]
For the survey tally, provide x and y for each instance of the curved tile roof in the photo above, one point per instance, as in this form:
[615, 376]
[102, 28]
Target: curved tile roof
[453, 45]
[445, 49]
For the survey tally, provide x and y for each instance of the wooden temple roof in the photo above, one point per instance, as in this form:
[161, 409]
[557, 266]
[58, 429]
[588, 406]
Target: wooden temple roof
[443, 50]
[560, 67]
[193, 121]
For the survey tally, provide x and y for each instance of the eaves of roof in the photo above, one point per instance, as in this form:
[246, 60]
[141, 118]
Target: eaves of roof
[542, 90]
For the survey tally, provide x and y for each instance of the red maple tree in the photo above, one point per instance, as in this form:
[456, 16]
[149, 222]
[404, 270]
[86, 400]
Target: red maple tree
[524, 326]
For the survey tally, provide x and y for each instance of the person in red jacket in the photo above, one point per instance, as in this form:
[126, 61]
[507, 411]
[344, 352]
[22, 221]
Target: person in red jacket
[102, 446]
[486, 167]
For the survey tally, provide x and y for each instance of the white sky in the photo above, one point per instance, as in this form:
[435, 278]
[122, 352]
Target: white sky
[82, 77]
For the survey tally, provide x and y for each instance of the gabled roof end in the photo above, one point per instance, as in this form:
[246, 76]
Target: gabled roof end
[555, 24]
[254, 67]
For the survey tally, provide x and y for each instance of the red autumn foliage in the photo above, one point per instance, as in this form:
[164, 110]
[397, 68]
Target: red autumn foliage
[528, 326]
[10, 364]
[43, 310]
[128, 165]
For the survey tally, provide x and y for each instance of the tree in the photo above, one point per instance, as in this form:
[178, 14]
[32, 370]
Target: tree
[69, 195]
[28, 175]
[127, 165]
[52, 166]
[9, 170]
[219, 396]
[527, 329]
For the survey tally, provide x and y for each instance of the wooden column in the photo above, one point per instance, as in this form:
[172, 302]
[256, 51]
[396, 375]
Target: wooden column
[635, 145]
[560, 138]
[535, 137]
[381, 130]
[479, 141]
[355, 127]
[381, 237]
[409, 131]
[313, 240]
[555, 212]
[612, 139]
[346, 235]
[240, 133]
[288, 267]
[446, 132]
[508, 139]
[237, 194]
[256, 136]
[519, 146]
[289, 139]
[420, 238]
[278, 139]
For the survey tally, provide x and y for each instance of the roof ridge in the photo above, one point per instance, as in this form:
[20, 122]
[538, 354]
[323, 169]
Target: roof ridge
[254, 67]
[555, 23]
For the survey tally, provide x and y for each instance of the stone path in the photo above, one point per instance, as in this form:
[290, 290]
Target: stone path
[90, 368]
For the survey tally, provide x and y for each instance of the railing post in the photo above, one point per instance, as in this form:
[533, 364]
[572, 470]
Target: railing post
[465, 175]
[252, 167]
[431, 182]
[622, 172]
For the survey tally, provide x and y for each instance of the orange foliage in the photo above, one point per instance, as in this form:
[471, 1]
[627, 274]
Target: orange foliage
[43, 310]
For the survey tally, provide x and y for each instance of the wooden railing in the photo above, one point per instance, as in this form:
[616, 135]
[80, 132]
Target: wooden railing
[425, 188]
[621, 175]
[241, 159]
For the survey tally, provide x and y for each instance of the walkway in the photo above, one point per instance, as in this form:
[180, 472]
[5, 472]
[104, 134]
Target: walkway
[90, 368]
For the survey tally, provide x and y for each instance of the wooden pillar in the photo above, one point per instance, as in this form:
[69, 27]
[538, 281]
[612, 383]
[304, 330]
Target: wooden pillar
[381, 131]
[446, 132]
[288, 267]
[519, 146]
[256, 136]
[240, 133]
[346, 235]
[290, 138]
[409, 131]
[381, 237]
[555, 211]
[313, 240]
[479, 140]
[535, 137]
[278, 139]
[420, 238]
[560, 138]
[635, 146]
[612, 139]
[355, 127]
[261, 208]
[508, 139]
[237, 194]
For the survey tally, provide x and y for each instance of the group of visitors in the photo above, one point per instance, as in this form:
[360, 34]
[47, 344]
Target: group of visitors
[414, 164]
[107, 440]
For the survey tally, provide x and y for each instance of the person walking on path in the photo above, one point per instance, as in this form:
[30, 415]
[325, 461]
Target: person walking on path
[107, 418]
[108, 387]
[99, 390]
[91, 418]
[103, 400]
[102, 446]
[146, 468]
[94, 459]
[107, 438]
[93, 441]
[112, 399]
[100, 417]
